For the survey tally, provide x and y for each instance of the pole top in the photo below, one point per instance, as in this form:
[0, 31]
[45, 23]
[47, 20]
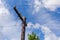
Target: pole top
[24, 20]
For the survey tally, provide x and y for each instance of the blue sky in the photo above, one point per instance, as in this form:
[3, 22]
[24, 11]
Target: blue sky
[43, 18]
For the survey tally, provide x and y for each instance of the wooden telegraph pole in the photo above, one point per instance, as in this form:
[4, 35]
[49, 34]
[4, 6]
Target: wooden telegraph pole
[24, 24]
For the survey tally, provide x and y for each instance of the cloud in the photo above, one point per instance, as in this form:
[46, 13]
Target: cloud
[47, 19]
[51, 4]
[37, 5]
[32, 25]
[48, 34]
[15, 38]
[44, 17]
[9, 28]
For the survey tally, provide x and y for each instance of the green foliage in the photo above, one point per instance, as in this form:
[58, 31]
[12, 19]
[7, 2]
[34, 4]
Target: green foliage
[33, 36]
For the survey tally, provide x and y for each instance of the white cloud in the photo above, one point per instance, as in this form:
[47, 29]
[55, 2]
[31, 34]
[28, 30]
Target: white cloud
[0, 1]
[43, 16]
[47, 19]
[32, 25]
[15, 39]
[29, 24]
[59, 38]
[36, 25]
[37, 6]
[51, 4]
[3, 10]
[8, 26]
[48, 34]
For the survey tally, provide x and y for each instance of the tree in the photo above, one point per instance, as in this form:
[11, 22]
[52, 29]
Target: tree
[33, 36]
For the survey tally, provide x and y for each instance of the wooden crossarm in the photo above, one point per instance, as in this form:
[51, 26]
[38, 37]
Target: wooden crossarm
[18, 13]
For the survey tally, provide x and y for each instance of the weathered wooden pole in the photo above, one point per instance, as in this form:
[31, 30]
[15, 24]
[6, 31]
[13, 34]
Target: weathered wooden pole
[23, 29]
[24, 24]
